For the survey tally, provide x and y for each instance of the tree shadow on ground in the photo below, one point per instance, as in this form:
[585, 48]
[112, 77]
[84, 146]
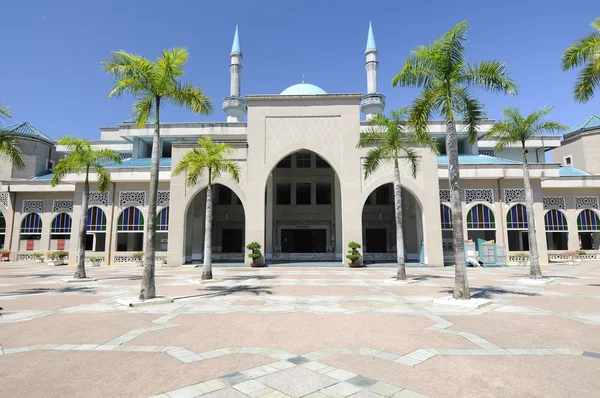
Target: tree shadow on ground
[33, 291]
[124, 278]
[247, 277]
[426, 277]
[30, 276]
[489, 292]
[218, 291]
[526, 276]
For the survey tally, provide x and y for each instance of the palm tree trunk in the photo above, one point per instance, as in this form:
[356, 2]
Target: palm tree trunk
[461, 283]
[148, 289]
[85, 199]
[207, 263]
[401, 274]
[534, 260]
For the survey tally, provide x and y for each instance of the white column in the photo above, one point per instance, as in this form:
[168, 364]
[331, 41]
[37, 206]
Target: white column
[269, 219]
[337, 206]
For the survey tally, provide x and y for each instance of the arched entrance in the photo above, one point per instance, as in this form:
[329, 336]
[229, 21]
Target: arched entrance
[303, 210]
[379, 226]
[228, 227]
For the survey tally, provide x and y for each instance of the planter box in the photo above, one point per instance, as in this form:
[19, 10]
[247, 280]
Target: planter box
[95, 263]
[57, 262]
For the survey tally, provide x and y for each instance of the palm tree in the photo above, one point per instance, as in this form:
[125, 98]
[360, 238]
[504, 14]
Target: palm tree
[152, 84]
[389, 141]
[585, 51]
[82, 158]
[448, 80]
[10, 144]
[208, 160]
[516, 129]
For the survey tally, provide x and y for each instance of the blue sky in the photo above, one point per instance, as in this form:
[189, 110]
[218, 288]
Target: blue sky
[50, 72]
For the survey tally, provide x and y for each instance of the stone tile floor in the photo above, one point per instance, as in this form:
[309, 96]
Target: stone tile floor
[298, 332]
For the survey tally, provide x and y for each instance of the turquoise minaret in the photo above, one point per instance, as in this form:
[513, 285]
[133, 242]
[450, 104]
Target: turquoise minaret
[372, 103]
[235, 106]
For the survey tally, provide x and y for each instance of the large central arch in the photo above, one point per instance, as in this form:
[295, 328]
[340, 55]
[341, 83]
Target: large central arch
[303, 210]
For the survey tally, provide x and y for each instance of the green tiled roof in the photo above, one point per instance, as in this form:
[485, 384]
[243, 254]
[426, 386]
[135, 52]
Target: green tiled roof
[27, 129]
[591, 122]
[477, 159]
[568, 171]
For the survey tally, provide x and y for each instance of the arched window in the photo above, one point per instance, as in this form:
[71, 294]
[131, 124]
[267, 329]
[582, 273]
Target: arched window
[131, 219]
[446, 215]
[555, 220]
[61, 224]
[96, 219]
[517, 217]
[588, 220]
[31, 224]
[481, 217]
[162, 220]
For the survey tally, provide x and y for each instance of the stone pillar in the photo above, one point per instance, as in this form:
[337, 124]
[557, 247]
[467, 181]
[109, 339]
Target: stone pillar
[337, 207]
[268, 249]
[178, 205]
[573, 241]
[432, 232]
[540, 228]
[352, 215]
[255, 216]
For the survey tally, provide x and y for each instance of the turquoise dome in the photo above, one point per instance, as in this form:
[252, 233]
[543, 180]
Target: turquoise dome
[303, 89]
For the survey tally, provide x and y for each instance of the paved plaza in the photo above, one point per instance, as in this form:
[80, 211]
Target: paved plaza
[298, 332]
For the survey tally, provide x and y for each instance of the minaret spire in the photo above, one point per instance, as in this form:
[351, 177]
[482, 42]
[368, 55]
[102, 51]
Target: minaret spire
[372, 103]
[235, 106]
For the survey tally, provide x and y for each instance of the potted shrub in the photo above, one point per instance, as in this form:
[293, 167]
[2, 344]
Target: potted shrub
[57, 258]
[255, 254]
[354, 254]
[573, 256]
[522, 258]
[96, 261]
[138, 257]
[5, 254]
[39, 257]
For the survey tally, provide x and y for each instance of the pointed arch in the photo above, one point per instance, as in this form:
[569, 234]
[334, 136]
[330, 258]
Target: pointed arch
[588, 220]
[31, 224]
[96, 219]
[131, 220]
[446, 216]
[516, 218]
[162, 220]
[481, 217]
[555, 220]
[61, 224]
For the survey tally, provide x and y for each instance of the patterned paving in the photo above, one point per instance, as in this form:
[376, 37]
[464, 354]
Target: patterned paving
[358, 314]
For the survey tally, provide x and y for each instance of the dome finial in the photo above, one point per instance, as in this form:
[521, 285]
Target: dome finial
[303, 78]
[236, 48]
[371, 39]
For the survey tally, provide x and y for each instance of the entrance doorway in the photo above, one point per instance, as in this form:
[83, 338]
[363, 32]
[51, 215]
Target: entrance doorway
[375, 240]
[303, 240]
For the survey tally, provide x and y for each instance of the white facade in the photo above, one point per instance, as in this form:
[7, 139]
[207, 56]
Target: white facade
[301, 193]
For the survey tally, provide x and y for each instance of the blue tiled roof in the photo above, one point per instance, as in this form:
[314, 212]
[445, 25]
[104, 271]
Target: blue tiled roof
[236, 48]
[139, 162]
[45, 177]
[568, 171]
[589, 123]
[371, 39]
[28, 130]
[477, 159]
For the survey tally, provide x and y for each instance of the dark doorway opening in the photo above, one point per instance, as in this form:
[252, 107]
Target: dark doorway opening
[232, 241]
[303, 240]
[375, 240]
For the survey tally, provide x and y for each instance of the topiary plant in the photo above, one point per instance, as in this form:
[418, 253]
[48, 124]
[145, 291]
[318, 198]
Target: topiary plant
[255, 254]
[354, 254]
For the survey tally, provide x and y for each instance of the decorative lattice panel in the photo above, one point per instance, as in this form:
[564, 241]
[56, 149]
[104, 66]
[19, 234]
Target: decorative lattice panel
[487, 152]
[322, 131]
[4, 198]
[554, 202]
[163, 198]
[33, 205]
[514, 195]
[98, 198]
[586, 202]
[479, 195]
[125, 155]
[62, 205]
[444, 195]
[135, 198]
